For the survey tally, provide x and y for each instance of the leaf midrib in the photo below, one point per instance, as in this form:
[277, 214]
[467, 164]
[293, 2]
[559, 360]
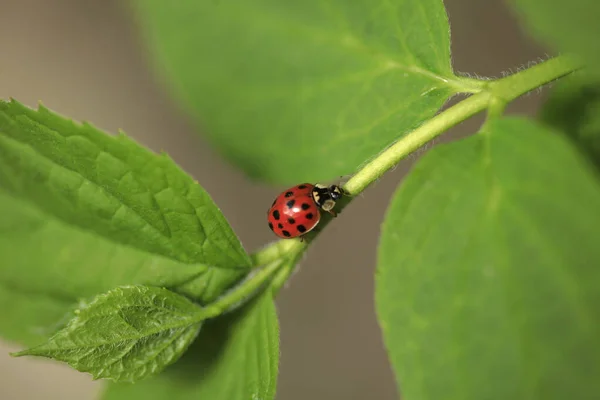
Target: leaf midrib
[161, 350]
[350, 41]
[84, 180]
[167, 243]
[585, 315]
[495, 200]
[179, 327]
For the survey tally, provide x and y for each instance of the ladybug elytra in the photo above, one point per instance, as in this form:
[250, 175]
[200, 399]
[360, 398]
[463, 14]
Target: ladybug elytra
[297, 210]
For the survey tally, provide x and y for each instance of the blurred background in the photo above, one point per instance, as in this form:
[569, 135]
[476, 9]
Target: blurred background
[83, 59]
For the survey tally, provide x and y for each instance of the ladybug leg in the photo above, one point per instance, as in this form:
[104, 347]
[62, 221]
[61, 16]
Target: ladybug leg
[333, 213]
[303, 239]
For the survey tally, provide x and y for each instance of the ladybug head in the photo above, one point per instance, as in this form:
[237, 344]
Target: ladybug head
[325, 197]
[335, 192]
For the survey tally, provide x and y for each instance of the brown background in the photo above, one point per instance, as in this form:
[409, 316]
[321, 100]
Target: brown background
[82, 59]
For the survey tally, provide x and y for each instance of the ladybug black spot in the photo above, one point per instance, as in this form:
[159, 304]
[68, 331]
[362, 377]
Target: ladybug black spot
[286, 233]
[309, 216]
[301, 228]
[280, 225]
[305, 206]
[276, 214]
[291, 220]
[289, 194]
[302, 187]
[271, 226]
[291, 203]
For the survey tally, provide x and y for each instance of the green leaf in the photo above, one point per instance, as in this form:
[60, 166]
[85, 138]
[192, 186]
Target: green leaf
[85, 212]
[487, 272]
[574, 108]
[126, 334]
[304, 90]
[570, 26]
[112, 186]
[235, 357]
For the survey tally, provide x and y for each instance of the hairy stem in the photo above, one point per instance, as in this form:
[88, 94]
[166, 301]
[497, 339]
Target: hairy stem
[495, 93]
[281, 256]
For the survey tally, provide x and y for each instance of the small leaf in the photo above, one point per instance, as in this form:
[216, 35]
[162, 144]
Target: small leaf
[126, 334]
[570, 26]
[304, 90]
[574, 108]
[487, 272]
[85, 212]
[235, 357]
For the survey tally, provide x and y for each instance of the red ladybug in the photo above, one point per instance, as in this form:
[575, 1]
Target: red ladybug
[296, 211]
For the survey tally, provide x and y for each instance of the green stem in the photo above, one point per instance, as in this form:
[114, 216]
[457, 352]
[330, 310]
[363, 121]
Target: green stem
[495, 108]
[501, 91]
[284, 273]
[277, 250]
[240, 293]
[417, 138]
[516, 85]
[281, 257]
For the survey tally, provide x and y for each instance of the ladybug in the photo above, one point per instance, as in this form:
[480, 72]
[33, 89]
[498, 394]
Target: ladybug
[296, 211]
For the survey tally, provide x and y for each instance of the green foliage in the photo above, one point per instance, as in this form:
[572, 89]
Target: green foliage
[487, 273]
[295, 91]
[126, 334]
[565, 25]
[89, 212]
[235, 357]
[574, 108]
[112, 186]
[487, 277]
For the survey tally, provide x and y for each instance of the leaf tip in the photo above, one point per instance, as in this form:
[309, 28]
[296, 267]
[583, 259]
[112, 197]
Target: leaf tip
[5, 103]
[165, 154]
[98, 376]
[26, 352]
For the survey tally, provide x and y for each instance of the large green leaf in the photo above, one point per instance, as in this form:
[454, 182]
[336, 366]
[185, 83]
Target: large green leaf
[235, 357]
[565, 25]
[303, 90]
[83, 212]
[574, 108]
[112, 186]
[126, 334]
[487, 283]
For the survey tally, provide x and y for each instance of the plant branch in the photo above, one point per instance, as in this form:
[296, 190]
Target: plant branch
[501, 91]
[281, 256]
[242, 292]
[277, 250]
